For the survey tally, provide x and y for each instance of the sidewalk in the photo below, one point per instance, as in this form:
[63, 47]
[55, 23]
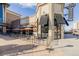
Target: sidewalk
[71, 47]
[20, 47]
[17, 47]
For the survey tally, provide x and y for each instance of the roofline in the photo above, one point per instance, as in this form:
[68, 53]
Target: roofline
[25, 17]
[14, 13]
[37, 7]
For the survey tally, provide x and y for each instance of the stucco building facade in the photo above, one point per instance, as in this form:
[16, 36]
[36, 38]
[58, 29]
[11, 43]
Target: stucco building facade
[48, 21]
[48, 10]
[51, 11]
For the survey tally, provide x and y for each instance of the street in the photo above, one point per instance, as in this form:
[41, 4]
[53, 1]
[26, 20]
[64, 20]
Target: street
[70, 36]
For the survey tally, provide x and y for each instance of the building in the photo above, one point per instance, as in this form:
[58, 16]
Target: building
[8, 19]
[43, 14]
[76, 28]
[40, 21]
[33, 23]
[24, 21]
[12, 19]
[26, 25]
[48, 21]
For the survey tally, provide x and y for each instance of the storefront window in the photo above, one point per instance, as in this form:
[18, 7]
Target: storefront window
[1, 13]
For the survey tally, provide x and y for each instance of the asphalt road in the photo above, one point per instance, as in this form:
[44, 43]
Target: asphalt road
[70, 36]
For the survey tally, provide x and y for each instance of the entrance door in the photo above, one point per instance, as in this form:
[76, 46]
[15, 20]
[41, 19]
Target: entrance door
[44, 26]
[57, 32]
[58, 22]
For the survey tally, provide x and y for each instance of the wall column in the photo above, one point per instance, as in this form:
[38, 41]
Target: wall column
[62, 26]
[51, 27]
[62, 31]
[39, 24]
[4, 18]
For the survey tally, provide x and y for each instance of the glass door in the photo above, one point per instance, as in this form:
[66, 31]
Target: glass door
[57, 30]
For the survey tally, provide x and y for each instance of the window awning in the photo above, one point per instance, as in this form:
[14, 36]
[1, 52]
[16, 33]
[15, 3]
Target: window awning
[60, 19]
[57, 17]
[44, 20]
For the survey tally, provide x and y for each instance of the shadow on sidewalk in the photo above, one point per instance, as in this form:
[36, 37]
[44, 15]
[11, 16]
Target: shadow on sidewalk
[46, 49]
[14, 49]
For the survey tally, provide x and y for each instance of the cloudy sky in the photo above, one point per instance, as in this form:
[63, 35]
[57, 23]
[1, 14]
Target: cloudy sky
[28, 9]
[76, 18]
[25, 9]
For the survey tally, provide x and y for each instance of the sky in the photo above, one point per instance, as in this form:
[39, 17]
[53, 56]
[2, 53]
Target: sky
[28, 9]
[75, 19]
[24, 9]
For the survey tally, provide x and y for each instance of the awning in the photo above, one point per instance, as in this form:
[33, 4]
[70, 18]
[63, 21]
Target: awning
[60, 20]
[57, 17]
[44, 20]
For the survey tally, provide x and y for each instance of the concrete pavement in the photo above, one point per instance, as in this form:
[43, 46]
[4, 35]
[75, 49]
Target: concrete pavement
[19, 47]
[71, 47]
